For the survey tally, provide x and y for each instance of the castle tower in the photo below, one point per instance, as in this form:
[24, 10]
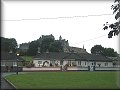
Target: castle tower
[60, 38]
[83, 46]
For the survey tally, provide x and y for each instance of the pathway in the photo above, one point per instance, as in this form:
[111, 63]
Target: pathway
[4, 84]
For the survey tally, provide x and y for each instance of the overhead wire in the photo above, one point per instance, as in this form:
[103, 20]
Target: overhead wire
[65, 17]
[89, 39]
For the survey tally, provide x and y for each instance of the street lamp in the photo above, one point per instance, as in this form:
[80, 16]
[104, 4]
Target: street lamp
[17, 64]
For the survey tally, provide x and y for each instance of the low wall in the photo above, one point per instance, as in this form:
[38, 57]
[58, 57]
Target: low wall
[107, 68]
[77, 68]
[71, 69]
[42, 69]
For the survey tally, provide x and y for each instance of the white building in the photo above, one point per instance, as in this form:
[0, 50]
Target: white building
[73, 61]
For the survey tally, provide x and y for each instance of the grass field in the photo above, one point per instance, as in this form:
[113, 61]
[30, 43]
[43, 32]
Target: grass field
[65, 80]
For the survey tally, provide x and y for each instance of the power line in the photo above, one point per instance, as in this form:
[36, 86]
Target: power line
[65, 17]
[90, 39]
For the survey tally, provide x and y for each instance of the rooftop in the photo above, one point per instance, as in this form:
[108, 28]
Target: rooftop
[10, 56]
[71, 56]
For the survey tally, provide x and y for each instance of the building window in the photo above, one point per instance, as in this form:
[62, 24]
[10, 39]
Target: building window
[106, 64]
[14, 63]
[39, 62]
[2, 63]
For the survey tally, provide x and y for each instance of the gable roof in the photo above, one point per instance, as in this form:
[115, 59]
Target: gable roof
[71, 56]
[51, 55]
[10, 56]
[74, 56]
[95, 57]
[77, 50]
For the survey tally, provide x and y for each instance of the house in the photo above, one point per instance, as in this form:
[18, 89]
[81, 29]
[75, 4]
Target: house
[73, 61]
[10, 62]
[116, 61]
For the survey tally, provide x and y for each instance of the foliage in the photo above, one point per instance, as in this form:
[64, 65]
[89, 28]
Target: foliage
[27, 58]
[110, 52]
[115, 27]
[46, 42]
[64, 80]
[33, 47]
[56, 46]
[21, 53]
[23, 49]
[27, 61]
[28, 64]
[98, 49]
[8, 44]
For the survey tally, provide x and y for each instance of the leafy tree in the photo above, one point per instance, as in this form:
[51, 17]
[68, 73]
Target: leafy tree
[56, 46]
[46, 44]
[33, 47]
[97, 49]
[4, 44]
[22, 53]
[13, 44]
[28, 64]
[8, 44]
[110, 52]
[115, 27]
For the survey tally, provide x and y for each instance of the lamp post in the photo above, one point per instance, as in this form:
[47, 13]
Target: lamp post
[17, 64]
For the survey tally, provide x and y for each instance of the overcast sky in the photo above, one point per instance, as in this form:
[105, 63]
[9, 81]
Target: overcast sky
[79, 22]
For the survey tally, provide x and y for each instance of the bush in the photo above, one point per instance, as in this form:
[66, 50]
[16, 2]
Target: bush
[29, 64]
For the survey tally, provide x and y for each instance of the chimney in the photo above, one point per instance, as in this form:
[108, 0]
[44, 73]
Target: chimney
[60, 38]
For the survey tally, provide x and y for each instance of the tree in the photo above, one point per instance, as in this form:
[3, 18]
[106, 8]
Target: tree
[97, 49]
[56, 46]
[115, 27]
[8, 44]
[109, 52]
[46, 43]
[13, 44]
[33, 47]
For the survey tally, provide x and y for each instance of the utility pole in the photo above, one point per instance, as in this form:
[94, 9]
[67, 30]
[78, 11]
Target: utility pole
[17, 64]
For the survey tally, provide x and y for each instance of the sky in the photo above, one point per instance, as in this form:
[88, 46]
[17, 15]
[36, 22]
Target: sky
[79, 22]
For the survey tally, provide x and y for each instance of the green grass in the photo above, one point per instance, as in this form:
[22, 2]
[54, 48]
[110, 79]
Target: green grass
[65, 80]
